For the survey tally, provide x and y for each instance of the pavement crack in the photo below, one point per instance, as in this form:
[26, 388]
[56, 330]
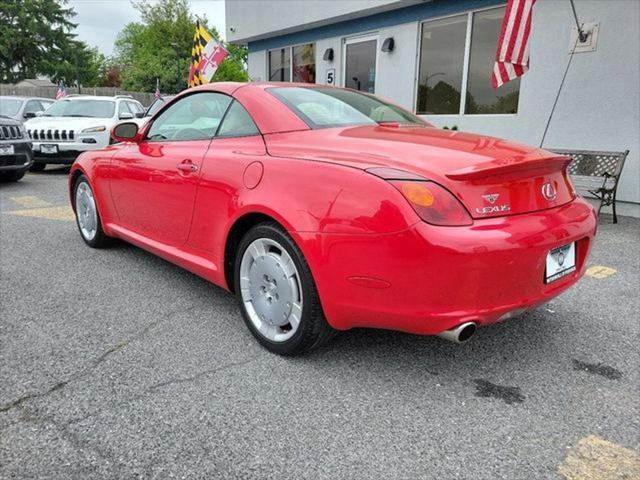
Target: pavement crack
[157, 386]
[197, 376]
[73, 438]
[92, 366]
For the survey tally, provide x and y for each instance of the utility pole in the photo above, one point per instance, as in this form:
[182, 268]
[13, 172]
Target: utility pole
[175, 49]
[77, 75]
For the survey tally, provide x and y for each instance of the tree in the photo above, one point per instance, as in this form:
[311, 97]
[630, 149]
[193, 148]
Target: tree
[36, 39]
[112, 76]
[80, 64]
[160, 47]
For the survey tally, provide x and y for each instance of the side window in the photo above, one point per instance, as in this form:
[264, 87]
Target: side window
[123, 108]
[237, 123]
[135, 107]
[195, 117]
[32, 106]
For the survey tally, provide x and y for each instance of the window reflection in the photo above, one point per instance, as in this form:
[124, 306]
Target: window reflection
[304, 63]
[279, 65]
[481, 97]
[441, 65]
[360, 73]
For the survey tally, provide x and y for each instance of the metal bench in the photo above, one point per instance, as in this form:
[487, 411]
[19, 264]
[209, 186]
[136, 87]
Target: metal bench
[597, 173]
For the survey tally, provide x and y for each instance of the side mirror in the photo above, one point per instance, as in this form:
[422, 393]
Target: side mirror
[39, 114]
[140, 114]
[125, 132]
[125, 116]
[29, 115]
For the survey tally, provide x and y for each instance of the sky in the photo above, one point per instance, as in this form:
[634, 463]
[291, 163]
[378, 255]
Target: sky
[99, 21]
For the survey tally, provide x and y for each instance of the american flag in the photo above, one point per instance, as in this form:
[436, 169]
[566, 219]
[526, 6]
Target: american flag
[512, 56]
[158, 94]
[62, 92]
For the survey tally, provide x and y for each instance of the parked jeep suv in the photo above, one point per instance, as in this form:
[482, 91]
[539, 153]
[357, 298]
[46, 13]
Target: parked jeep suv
[15, 150]
[76, 124]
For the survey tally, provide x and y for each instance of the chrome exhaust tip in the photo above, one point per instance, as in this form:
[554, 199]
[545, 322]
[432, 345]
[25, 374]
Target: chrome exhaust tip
[460, 334]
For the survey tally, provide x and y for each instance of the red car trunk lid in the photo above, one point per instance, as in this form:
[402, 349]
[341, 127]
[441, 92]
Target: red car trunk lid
[492, 177]
[508, 186]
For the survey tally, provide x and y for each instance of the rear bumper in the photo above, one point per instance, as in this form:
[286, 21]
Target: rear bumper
[429, 279]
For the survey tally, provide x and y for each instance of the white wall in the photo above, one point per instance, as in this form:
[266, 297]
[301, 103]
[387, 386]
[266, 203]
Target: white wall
[599, 108]
[397, 69]
[285, 16]
[257, 65]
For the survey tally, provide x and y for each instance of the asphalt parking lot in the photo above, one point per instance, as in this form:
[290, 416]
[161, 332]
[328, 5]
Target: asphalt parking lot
[117, 364]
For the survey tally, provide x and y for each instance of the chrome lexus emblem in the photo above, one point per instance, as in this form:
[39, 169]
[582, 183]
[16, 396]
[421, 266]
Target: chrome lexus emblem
[549, 191]
[491, 198]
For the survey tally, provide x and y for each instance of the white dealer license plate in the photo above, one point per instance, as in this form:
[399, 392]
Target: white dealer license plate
[561, 261]
[6, 150]
[45, 148]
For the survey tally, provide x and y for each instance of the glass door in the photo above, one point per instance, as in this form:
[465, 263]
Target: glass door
[360, 56]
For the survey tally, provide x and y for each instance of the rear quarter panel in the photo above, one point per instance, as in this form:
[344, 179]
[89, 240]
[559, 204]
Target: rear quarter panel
[302, 195]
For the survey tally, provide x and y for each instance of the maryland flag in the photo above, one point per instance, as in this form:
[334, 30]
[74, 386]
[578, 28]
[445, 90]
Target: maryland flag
[206, 56]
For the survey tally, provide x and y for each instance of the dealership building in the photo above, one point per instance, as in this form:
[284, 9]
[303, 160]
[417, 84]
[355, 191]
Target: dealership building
[435, 58]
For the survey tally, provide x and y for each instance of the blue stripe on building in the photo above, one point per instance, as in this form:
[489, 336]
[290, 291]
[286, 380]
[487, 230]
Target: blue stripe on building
[413, 13]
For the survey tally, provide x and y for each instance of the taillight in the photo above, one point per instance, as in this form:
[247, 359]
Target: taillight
[433, 204]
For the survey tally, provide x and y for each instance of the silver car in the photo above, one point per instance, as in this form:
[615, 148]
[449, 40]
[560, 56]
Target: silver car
[23, 108]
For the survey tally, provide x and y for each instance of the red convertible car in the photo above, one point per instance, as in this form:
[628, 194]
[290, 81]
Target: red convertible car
[325, 209]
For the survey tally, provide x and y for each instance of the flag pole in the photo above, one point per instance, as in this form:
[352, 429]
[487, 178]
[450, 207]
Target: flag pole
[564, 77]
[582, 35]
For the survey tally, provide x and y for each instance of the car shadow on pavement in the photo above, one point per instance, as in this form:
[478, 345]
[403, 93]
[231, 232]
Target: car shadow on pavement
[54, 170]
[497, 352]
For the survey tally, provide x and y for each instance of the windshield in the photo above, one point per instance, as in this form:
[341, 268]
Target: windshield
[333, 107]
[9, 107]
[81, 108]
[156, 105]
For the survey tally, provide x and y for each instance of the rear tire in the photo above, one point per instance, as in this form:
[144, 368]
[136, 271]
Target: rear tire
[277, 294]
[38, 167]
[87, 216]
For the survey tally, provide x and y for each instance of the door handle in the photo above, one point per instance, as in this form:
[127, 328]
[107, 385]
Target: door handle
[187, 166]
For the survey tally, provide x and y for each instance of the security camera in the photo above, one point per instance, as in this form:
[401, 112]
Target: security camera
[232, 29]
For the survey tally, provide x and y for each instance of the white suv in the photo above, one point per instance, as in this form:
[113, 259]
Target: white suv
[76, 124]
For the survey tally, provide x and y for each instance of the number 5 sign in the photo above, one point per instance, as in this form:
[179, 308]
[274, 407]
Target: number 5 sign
[331, 76]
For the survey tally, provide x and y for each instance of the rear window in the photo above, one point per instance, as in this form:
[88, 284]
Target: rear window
[9, 106]
[332, 107]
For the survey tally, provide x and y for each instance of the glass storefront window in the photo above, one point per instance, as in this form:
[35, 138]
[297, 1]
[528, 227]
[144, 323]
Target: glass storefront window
[279, 65]
[441, 65]
[304, 63]
[442, 69]
[360, 66]
[481, 97]
[297, 64]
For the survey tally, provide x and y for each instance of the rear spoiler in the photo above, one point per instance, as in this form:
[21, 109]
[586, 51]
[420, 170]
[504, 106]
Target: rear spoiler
[510, 165]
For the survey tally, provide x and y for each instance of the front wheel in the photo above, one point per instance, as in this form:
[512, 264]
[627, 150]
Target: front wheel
[277, 294]
[87, 216]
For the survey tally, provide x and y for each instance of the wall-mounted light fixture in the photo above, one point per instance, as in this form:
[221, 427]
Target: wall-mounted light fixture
[388, 44]
[328, 55]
